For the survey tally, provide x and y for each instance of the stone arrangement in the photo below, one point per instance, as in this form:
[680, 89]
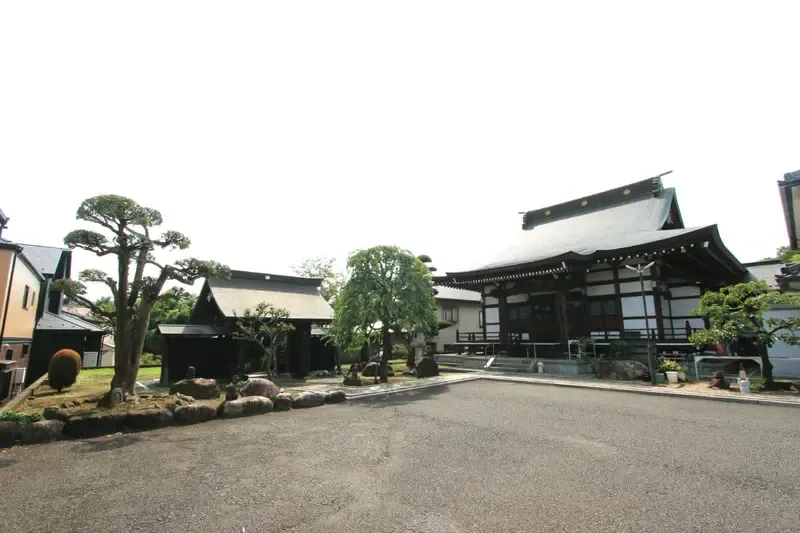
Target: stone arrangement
[259, 396]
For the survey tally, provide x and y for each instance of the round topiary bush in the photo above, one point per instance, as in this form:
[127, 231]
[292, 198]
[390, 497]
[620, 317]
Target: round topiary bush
[65, 365]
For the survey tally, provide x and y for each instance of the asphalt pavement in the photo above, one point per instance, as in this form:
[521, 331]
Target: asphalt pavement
[479, 456]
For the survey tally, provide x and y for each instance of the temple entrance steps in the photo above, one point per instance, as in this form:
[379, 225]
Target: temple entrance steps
[511, 364]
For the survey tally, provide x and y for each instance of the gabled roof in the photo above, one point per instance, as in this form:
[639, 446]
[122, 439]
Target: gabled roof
[44, 258]
[17, 248]
[451, 293]
[641, 216]
[65, 322]
[245, 290]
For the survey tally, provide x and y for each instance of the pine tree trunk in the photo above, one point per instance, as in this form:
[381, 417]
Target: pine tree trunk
[387, 353]
[138, 335]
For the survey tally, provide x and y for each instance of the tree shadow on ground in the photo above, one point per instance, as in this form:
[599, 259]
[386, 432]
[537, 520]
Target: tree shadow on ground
[401, 398]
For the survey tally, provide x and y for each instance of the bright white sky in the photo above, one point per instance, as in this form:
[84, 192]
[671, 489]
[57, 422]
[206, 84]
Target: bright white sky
[274, 131]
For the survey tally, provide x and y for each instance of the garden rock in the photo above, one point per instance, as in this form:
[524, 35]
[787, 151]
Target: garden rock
[192, 414]
[197, 388]
[427, 368]
[335, 396]
[42, 431]
[322, 374]
[230, 392]
[247, 405]
[629, 370]
[67, 405]
[284, 402]
[181, 402]
[309, 399]
[148, 418]
[372, 369]
[83, 427]
[9, 433]
[719, 381]
[260, 387]
[375, 358]
[54, 413]
[187, 399]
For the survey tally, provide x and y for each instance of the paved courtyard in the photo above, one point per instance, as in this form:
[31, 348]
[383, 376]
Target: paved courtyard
[479, 456]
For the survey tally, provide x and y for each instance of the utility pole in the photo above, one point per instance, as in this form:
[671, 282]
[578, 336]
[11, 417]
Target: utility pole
[640, 270]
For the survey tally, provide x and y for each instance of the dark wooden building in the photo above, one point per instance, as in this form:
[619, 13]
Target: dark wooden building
[208, 343]
[566, 277]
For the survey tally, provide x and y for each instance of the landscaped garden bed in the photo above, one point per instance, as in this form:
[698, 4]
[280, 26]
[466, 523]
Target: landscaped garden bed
[81, 411]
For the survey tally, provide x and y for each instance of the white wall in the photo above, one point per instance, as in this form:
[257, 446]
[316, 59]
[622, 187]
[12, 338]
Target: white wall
[781, 349]
[468, 322]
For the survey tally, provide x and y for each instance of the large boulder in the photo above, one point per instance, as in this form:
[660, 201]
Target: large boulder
[148, 418]
[198, 388]
[246, 405]
[335, 396]
[9, 433]
[284, 402]
[628, 370]
[309, 399]
[42, 431]
[427, 368]
[260, 387]
[374, 368]
[192, 414]
[88, 426]
[54, 413]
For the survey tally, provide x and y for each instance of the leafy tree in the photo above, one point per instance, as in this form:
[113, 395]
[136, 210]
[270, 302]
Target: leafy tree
[322, 267]
[386, 285]
[738, 312]
[134, 293]
[787, 255]
[175, 306]
[267, 327]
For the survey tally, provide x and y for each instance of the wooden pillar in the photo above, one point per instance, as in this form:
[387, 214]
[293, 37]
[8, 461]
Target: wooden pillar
[561, 315]
[615, 267]
[503, 312]
[657, 303]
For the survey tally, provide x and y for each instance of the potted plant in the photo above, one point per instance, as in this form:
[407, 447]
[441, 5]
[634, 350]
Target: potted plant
[671, 369]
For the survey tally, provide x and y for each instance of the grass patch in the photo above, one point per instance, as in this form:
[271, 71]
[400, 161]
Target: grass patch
[91, 383]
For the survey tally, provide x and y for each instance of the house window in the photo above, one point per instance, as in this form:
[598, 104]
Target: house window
[25, 296]
[25, 348]
[9, 354]
[603, 314]
[450, 314]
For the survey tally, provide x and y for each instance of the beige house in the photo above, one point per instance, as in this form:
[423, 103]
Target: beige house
[460, 307]
[20, 285]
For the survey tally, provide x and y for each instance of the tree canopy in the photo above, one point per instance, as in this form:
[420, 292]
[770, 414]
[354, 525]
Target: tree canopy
[267, 327]
[322, 267]
[140, 277]
[737, 312]
[387, 289]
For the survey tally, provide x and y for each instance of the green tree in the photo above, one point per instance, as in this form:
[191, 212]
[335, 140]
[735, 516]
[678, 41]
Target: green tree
[175, 306]
[322, 268]
[267, 327]
[134, 293]
[386, 285]
[738, 312]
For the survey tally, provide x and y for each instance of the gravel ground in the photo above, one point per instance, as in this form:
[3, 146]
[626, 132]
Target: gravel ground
[480, 456]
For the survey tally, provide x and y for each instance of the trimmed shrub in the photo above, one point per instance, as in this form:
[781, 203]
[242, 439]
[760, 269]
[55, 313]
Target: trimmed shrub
[65, 365]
